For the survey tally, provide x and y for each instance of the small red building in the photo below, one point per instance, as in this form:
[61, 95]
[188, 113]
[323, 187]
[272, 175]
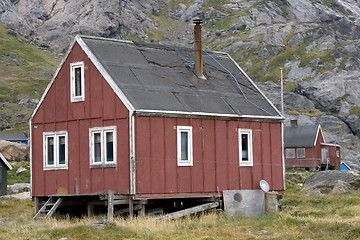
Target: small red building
[142, 120]
[305, 147]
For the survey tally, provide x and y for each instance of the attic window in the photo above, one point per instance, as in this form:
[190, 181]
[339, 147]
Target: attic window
[55, 150]
[77, 82]
[245, 147]
[103, 147]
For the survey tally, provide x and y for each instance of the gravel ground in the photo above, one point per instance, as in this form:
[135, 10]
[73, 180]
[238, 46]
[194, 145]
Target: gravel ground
[21, 196]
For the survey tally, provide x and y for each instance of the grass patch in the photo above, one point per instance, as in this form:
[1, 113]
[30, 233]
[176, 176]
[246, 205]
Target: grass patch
[215, 4]
[312, 113]
[315, 217]
[224, 23]
[289, 86]
[355, 111]
[292, 112]
[175, 4]
[25, 72]
[14, 177]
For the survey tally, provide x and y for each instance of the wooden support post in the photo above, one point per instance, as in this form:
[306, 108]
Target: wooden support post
[142, 210]
[90, 209]
[37, 204]
[131, 207]
[110, 205]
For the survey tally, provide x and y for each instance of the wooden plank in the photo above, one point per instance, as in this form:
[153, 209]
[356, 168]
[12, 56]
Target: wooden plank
[117, 202]
[233, 156]
[209, 156]
[197, 171]
[42, 209]
[157, 145]
[221, 158]
[189, 211]
[142, 155]
[116, 197]
[170, 156]
[53, 209]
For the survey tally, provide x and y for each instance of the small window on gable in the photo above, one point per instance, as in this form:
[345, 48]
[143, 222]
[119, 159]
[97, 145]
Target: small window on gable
[103, 146]
[77, 82]
[245, 147]
[290, 153]
[337, 154]
[55, 150]
[184, 146]
[300, 153]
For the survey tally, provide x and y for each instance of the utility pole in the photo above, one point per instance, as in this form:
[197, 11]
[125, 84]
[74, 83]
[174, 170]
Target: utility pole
[282, 91]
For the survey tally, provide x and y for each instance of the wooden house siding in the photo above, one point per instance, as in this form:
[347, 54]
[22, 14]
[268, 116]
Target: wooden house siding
[312, 155]
[149, 136]
[334, 154]
[57, 113]
[215, 153]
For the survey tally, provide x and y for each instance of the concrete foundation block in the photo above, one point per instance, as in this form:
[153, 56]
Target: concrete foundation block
[249, 203]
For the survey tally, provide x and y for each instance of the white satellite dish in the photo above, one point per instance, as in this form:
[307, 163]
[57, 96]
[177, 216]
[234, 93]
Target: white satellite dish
[264, 185]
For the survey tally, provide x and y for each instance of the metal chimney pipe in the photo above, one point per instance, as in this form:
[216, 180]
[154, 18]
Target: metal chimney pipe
[198, 48]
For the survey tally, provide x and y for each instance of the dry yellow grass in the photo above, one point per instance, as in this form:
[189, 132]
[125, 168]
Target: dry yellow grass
[302, 217]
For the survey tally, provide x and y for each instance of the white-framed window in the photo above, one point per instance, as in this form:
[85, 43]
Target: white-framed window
[55, 150]
[300, 153]
[77, 82]
[102, 146]
[337, 154]
[184, 146]
[290, 153]
[245, 147]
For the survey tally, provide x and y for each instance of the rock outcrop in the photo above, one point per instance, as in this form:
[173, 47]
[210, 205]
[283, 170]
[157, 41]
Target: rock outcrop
[315, 42]
[333, 182]
[14, 151]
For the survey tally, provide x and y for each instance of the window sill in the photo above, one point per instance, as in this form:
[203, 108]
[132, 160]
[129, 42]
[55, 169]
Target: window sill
[79, 99]
[106, 165]
[55, 168]
[246, 164]
[184, 164]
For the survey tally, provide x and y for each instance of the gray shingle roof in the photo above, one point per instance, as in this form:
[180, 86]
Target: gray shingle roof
[300, 136]
[161, 78]
[13, 137]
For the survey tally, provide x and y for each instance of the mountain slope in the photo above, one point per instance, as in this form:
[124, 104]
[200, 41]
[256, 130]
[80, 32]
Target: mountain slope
[315, 42]
[24, 73]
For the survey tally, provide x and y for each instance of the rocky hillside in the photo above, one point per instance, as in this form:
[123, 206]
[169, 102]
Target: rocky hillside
[315, 42]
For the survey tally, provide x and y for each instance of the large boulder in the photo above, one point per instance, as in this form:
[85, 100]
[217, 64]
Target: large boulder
[18, 188]
[334, 182]
[14, 151]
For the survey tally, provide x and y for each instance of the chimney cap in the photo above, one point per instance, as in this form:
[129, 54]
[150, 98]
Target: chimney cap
[197, 20]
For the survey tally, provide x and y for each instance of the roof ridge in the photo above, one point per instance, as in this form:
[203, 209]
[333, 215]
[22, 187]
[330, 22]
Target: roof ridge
[106, 39]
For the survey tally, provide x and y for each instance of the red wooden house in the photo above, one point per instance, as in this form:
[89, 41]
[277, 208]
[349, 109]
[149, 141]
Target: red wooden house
[150, 122]
[305, 147]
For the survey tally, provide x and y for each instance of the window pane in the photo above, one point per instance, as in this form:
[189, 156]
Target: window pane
[50, 151]
[184, 146]
[61, 149]
[109, 147]
[301, 152]
[244, 147]
[78, 81]
[290, 153]
[97, 147]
